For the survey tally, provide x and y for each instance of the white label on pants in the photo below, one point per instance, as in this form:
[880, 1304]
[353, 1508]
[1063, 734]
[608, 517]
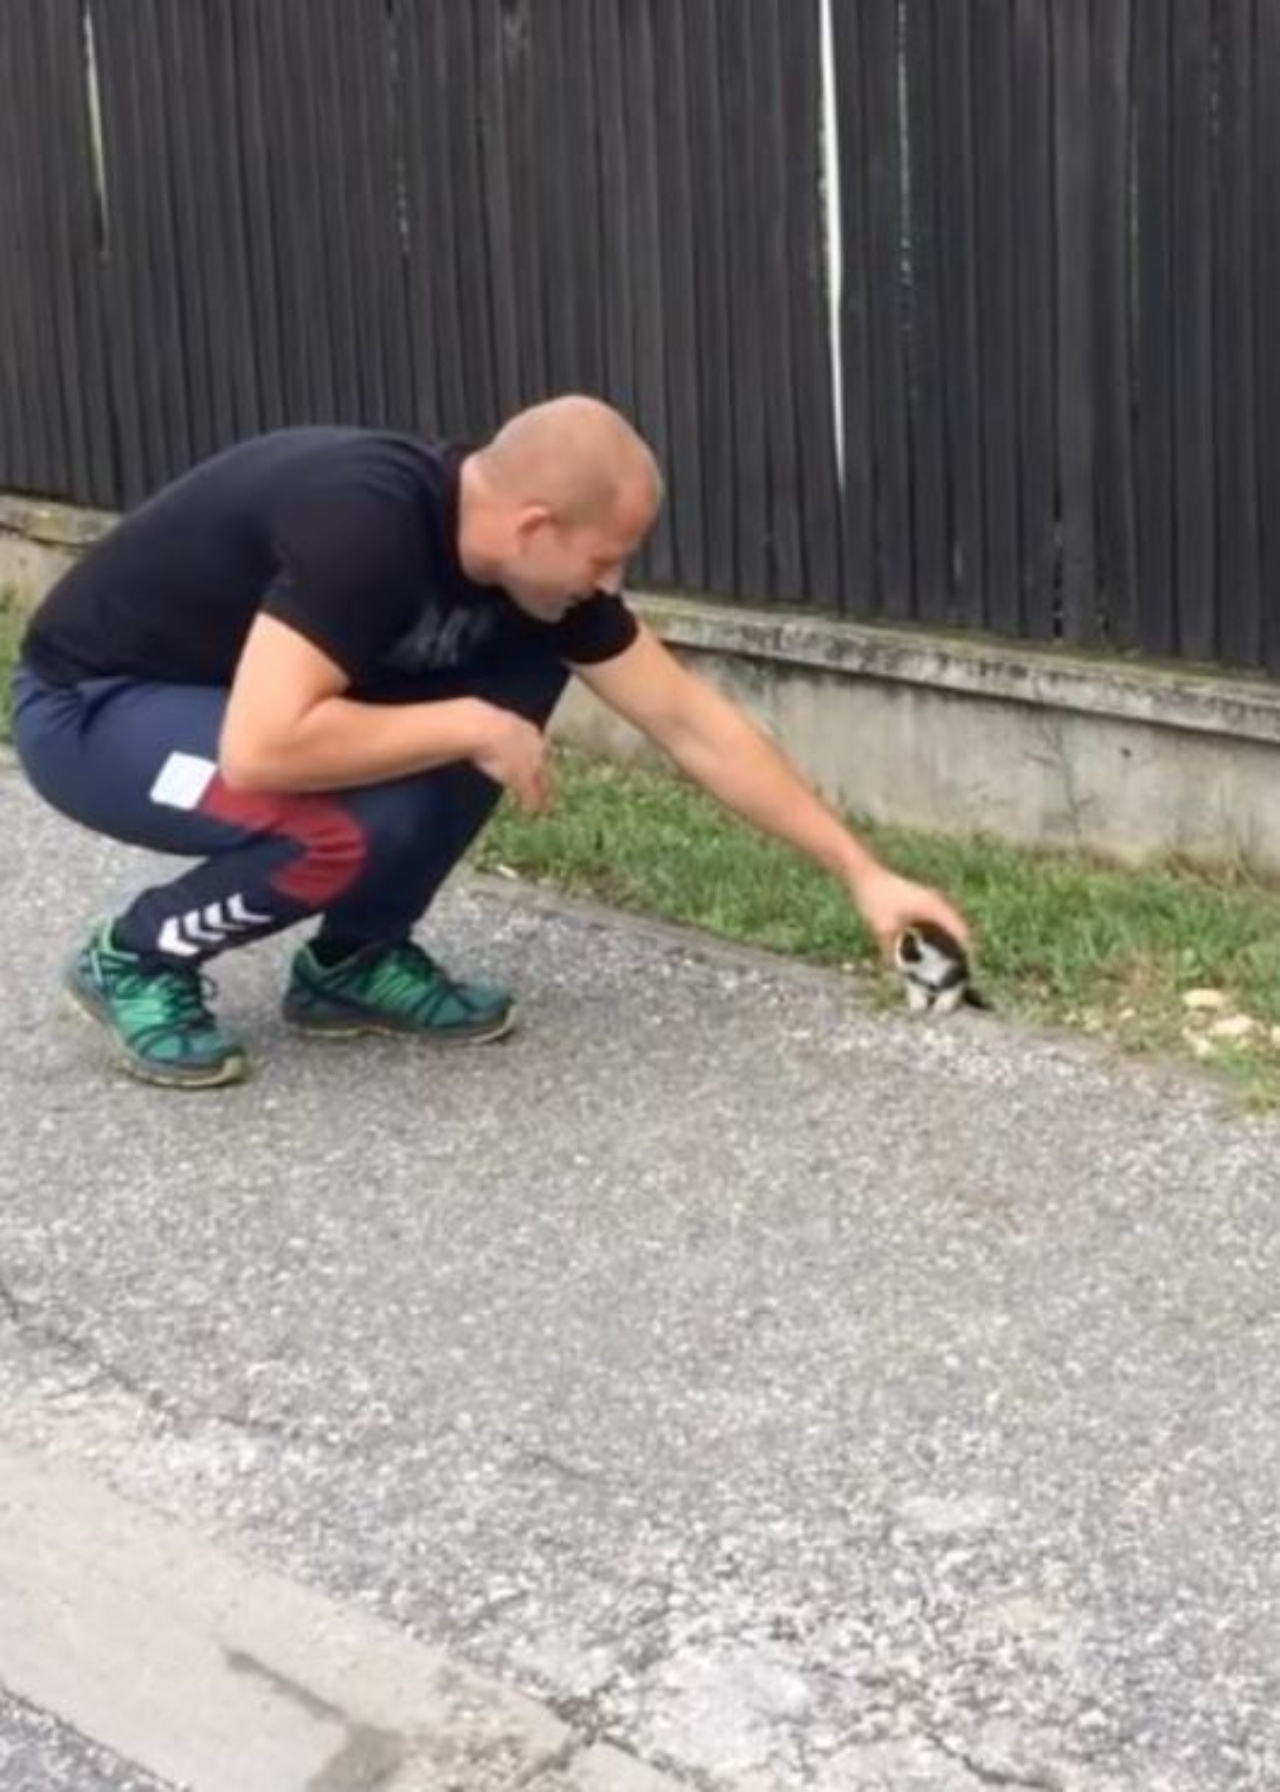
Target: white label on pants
[182, 780]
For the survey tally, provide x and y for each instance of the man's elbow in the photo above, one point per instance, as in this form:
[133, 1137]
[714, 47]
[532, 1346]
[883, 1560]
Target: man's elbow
[252, 765]
[244, 773]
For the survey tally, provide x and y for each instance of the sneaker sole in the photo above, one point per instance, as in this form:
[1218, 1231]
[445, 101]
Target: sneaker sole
[487, 1034]
[82, 1003]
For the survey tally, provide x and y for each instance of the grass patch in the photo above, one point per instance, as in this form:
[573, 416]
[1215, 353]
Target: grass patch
[1062, 939]
[12, 623]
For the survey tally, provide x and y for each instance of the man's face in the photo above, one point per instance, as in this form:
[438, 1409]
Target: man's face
[557, 564]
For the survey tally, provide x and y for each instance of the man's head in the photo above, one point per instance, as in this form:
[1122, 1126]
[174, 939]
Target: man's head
[557, 503]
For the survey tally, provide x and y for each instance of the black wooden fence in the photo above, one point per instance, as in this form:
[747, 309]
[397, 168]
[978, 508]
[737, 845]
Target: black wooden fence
[1040, 396]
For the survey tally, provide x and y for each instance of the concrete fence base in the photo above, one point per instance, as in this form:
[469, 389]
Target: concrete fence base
[1126, 760]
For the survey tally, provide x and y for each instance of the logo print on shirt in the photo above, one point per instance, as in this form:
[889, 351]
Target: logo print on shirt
[443, 638]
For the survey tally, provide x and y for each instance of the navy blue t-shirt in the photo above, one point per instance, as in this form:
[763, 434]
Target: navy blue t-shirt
[348, 535]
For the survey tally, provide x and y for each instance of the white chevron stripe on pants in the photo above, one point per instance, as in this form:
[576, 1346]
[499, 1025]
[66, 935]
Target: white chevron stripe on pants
[220, 922]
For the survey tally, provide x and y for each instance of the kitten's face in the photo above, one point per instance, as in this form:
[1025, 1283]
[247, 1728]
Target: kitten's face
[935, 968]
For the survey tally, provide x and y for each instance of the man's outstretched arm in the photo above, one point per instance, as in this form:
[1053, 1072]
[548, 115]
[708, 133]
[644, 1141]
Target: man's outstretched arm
[719, 747]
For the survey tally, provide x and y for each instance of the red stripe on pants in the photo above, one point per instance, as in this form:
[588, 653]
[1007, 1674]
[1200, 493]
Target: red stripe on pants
[333, 843]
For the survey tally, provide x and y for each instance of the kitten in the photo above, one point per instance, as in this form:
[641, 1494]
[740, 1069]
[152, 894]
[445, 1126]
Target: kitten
[935, 968]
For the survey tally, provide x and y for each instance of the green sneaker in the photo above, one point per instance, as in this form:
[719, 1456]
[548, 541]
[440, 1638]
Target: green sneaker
[393, 989]
[162, 1031]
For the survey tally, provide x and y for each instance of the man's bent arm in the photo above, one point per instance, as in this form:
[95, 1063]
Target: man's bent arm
[288, 726]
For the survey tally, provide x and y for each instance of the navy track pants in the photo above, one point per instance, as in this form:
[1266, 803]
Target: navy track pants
[138, 762]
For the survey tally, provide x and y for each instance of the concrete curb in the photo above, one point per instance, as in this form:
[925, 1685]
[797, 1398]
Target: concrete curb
[1197, 701]
[690, 941]
[226, 1677]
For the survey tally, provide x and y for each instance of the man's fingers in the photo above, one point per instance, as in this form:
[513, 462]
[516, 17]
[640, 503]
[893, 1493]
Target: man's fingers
[535, 791]
[931, 905]
[955, 923]
[896, 904]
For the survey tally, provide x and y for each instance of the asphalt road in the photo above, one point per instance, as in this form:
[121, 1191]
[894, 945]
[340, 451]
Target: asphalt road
[794, 1397]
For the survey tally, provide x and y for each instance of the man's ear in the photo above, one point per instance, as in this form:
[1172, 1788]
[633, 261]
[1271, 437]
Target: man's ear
[529, 520]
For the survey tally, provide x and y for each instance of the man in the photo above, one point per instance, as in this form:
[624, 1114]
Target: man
[314, 663]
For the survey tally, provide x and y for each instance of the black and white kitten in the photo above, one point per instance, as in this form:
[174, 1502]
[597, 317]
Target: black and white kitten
[935, 968]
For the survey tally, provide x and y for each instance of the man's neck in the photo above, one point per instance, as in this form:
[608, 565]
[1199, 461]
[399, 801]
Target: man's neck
[475, 512]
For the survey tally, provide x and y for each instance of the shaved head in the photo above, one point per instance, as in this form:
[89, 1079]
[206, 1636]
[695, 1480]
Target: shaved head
[578, 457]
[554, 507]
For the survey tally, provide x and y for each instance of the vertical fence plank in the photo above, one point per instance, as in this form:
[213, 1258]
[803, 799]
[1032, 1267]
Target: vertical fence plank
[42, 422]
[54, 34]
[300, 173]
[373, 154]
[353, 126]
[649, 253]
[783, 553]
[1117, 554]
[930, 523]
[516, 25]
[746, 307]
[169, 355]
[1153, 446]
[619, 301]
[1034, 275]
[1235, 329]
[679, 300]
[455, 94]
[67, 242]
[960, 314]
[1193, 332]
[713, 371]
[430, 218]
[1076, 301]
[809, 304]
[418, 294]
[84, 224]
[253, 95]
[233, 305]
[994, 163]
[580, 105]
[133, 367]
[31, 439]
[338, 391]
[391, 238]
[1267, 224]
[558, 200]
[202, 262]
[886, 228]
[498, 160]
[860, 583]
[13, 446]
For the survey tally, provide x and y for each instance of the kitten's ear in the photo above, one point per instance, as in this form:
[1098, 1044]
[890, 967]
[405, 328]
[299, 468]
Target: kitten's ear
[906, 949]
[938, 938]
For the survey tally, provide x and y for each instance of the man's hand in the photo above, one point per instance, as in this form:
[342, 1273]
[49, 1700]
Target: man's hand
[514, 754]
[889, 903]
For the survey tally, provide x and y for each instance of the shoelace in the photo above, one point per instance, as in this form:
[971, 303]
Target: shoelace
[407, 976]
[170, 1001]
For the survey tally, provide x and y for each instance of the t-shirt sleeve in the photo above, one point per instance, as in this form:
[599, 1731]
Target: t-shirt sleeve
[598, 629]
[350, 576]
